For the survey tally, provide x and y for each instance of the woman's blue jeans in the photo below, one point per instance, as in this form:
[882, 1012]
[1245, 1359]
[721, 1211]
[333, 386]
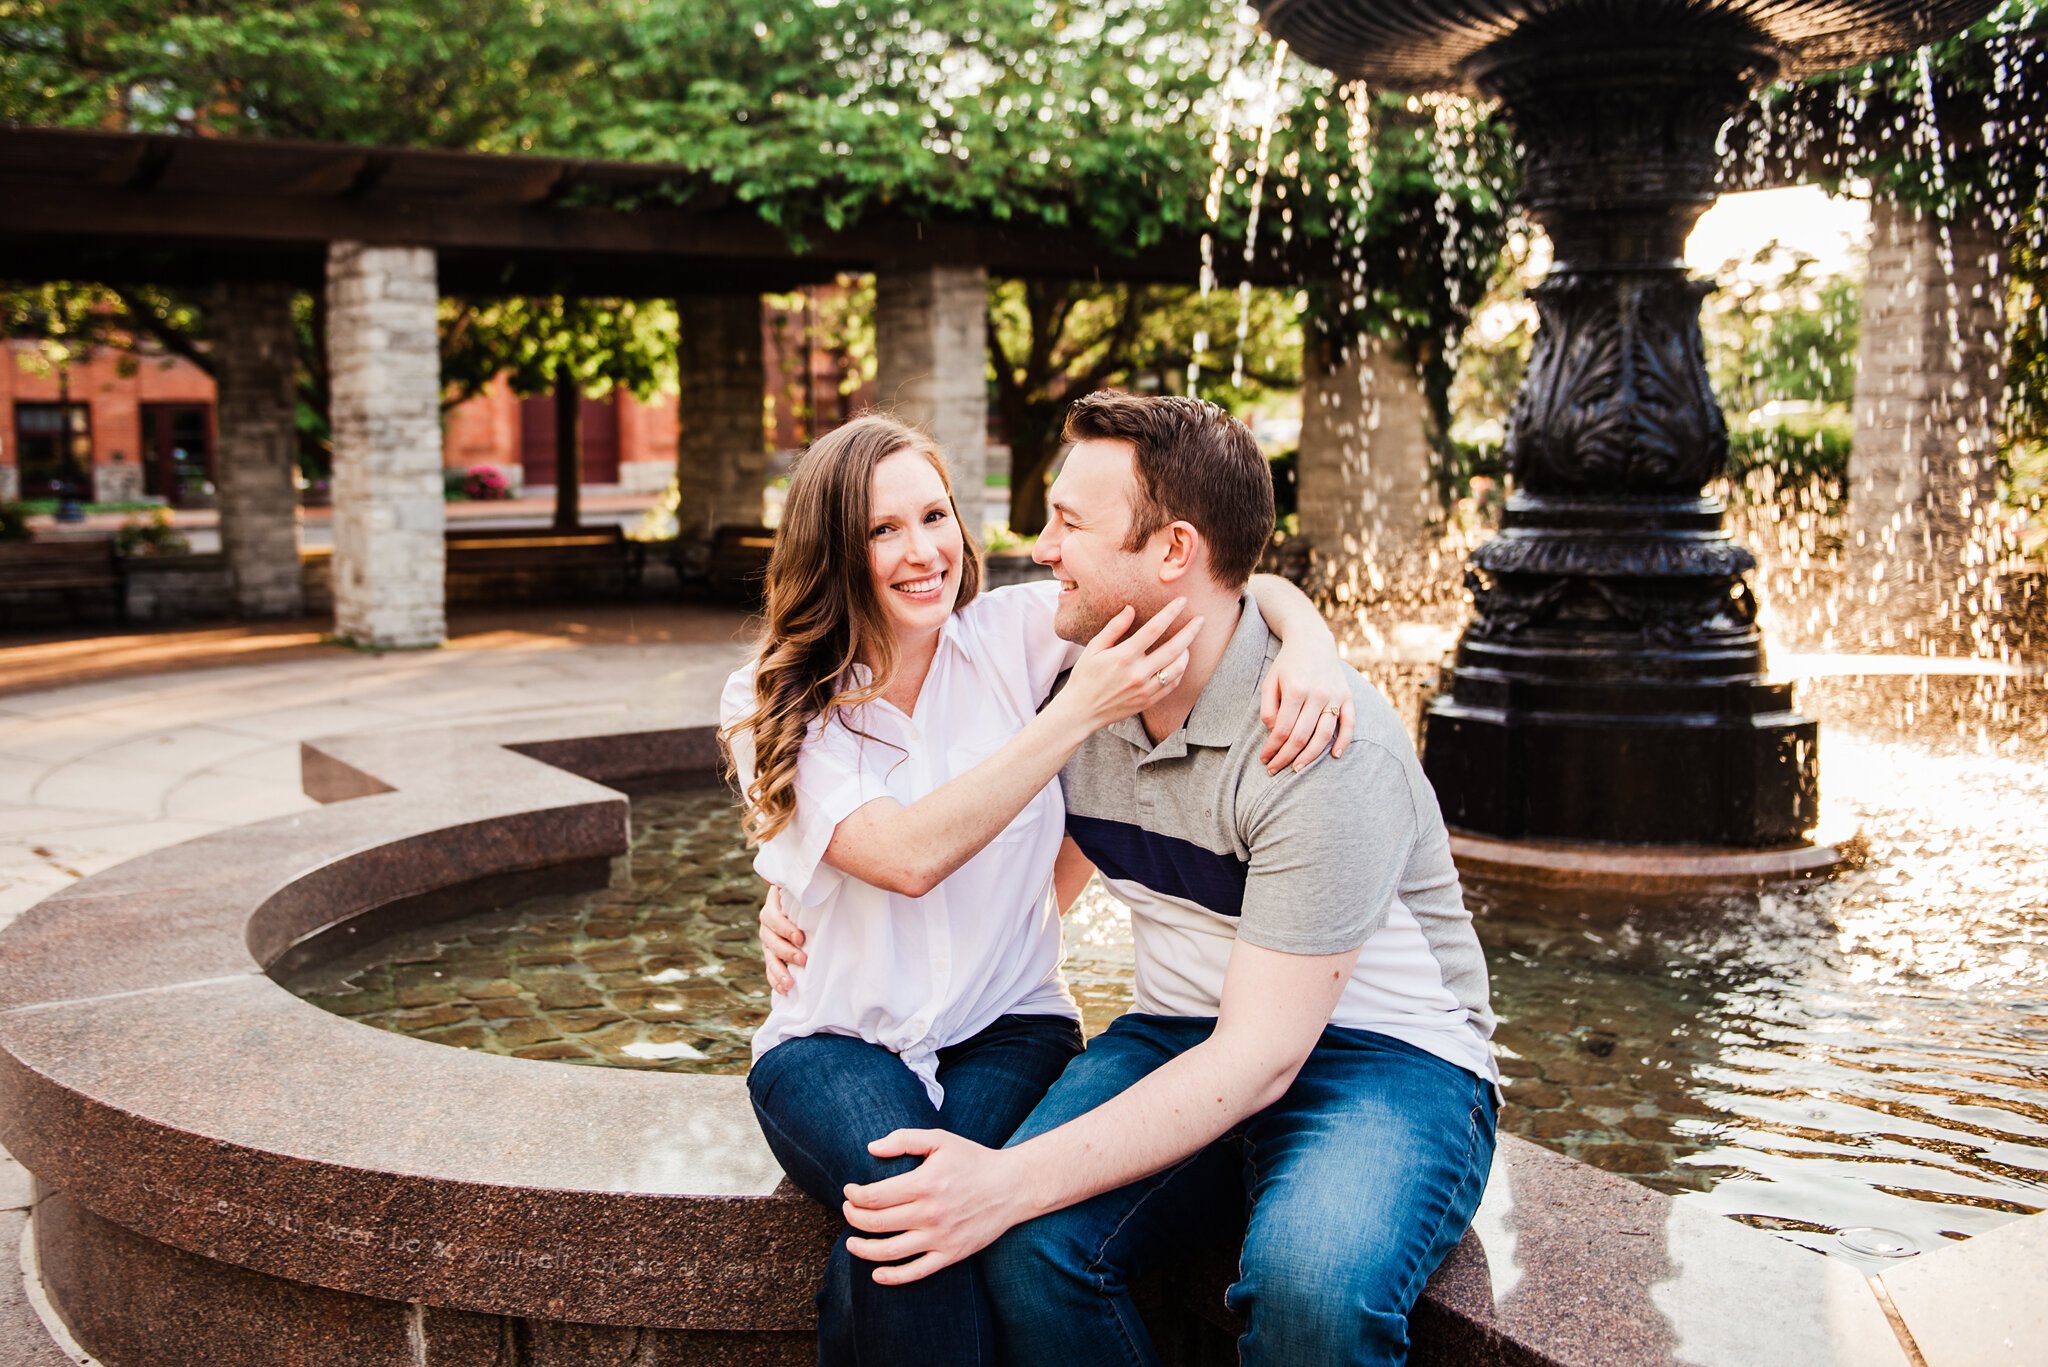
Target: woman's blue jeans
[1350, 1190]
[823, 1098]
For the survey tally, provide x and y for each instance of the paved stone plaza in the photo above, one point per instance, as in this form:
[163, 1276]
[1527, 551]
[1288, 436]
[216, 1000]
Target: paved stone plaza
[97, 772]
[94, 773]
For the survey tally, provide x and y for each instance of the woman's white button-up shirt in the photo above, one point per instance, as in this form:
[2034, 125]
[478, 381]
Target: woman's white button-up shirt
[916, 974]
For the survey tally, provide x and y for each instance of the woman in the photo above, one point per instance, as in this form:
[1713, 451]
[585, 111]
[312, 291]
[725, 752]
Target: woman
[895, 745]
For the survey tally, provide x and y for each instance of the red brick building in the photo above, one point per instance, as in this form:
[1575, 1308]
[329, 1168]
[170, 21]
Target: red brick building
[125, 426]
[119, 426]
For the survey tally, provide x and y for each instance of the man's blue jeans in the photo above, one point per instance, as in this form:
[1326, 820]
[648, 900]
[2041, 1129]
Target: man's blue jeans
[823, 1098]
[1350, 1189]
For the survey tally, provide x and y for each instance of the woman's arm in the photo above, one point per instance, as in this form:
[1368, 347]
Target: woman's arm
[913, 849]
[1306, 698]
[782, 942]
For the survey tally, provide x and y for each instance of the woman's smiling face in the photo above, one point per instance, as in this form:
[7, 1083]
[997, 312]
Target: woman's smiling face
[914, 544]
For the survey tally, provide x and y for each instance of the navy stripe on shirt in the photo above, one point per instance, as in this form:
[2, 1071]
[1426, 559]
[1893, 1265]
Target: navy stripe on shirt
[1169, 866]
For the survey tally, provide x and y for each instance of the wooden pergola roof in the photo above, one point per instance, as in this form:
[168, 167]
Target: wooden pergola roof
[168, 210]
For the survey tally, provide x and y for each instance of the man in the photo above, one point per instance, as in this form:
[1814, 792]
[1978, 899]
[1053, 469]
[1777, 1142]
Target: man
[1309, 1049]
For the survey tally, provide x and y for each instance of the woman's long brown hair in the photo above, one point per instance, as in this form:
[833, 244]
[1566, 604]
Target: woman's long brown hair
[823, 613]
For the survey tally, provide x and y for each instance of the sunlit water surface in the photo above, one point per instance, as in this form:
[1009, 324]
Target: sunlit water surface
[1868, 1051]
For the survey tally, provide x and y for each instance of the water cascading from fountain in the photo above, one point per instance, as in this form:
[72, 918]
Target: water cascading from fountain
[1613, 685]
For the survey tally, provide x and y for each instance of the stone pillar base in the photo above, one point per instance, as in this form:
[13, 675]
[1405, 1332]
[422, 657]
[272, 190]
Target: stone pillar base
[383, 351]
[1924, 467]
[254, 356]
[721, 444]
[1367, 489]
[931, 367]
[120, 483]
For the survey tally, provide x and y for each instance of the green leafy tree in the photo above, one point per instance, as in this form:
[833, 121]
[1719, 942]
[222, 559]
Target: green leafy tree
[1131, 120]
[1051, 341]
[604, 343]
[441, 73]
[70, 321]
[1393, 209]
[2026, 337]
[1783, 332]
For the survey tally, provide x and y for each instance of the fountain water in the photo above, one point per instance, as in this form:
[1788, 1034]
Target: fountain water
[1613, 685]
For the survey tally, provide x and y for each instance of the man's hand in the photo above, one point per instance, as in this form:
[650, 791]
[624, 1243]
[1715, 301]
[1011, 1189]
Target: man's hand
[951, 1206]
[963, 1196]
[1306, 702]
[781, 943]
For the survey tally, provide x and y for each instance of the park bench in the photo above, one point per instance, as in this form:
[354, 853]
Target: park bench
[31, 570]
[737, 571]
[496, 562]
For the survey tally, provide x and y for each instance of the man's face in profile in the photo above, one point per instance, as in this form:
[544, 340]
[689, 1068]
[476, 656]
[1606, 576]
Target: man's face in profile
[1084, 539]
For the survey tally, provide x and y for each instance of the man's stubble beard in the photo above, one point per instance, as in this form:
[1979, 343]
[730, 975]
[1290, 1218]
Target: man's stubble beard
[1083, 613]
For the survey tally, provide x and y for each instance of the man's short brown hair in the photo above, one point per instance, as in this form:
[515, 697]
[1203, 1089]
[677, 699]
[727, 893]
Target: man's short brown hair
[1195, 464]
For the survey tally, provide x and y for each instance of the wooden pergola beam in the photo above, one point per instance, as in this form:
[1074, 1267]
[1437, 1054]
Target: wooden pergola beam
[149, 208]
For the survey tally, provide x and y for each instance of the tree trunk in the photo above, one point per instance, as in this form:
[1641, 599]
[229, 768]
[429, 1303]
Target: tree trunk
[1033, 448]
[568, 450]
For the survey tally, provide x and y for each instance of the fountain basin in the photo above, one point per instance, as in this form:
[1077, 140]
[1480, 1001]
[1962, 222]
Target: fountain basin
[1428, 46]
[179, 1101]
[226, 1168]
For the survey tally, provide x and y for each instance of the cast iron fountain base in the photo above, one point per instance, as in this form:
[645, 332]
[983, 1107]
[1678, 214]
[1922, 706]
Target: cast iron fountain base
[1594, 699]
[1612, 685]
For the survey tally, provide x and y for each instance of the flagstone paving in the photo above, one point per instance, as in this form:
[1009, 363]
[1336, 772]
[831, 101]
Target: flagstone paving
[96, 772]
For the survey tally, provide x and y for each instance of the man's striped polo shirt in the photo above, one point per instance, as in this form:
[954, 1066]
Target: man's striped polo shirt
[1206, 847]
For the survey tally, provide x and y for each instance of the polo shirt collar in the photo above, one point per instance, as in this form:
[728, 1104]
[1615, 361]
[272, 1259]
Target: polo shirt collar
[1219, 714]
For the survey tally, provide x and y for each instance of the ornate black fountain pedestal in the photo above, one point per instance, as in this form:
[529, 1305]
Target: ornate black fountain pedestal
[1596, 698]
[1612, 685]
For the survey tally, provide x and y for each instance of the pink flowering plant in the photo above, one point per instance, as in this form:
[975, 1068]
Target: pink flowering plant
[485, 482]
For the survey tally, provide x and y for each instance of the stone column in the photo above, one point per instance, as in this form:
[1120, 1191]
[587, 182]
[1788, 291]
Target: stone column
[931, 366]
[383, 356]
[1366, 489]
[256, 456]
[1923, 468]
[721, 447]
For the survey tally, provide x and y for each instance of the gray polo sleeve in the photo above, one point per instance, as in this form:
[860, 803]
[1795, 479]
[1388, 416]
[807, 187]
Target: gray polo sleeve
[1328, 850]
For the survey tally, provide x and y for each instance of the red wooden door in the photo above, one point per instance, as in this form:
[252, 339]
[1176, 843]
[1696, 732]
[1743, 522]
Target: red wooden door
[601, 440]
[600, 419]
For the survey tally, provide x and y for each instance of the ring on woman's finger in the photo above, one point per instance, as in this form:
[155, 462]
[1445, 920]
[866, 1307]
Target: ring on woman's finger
[1333, 710]
[1164, 681]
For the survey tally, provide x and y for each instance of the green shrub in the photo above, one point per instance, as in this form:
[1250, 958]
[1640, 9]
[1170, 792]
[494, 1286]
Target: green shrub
[152, 535]
[14, 523]
[1797, 450]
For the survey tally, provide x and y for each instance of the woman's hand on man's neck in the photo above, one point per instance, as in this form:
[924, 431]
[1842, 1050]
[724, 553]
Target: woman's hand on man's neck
[1220, 610]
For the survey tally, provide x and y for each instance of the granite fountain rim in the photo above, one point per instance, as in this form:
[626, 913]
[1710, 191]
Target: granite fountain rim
[136, 1019]
[245, 1139]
